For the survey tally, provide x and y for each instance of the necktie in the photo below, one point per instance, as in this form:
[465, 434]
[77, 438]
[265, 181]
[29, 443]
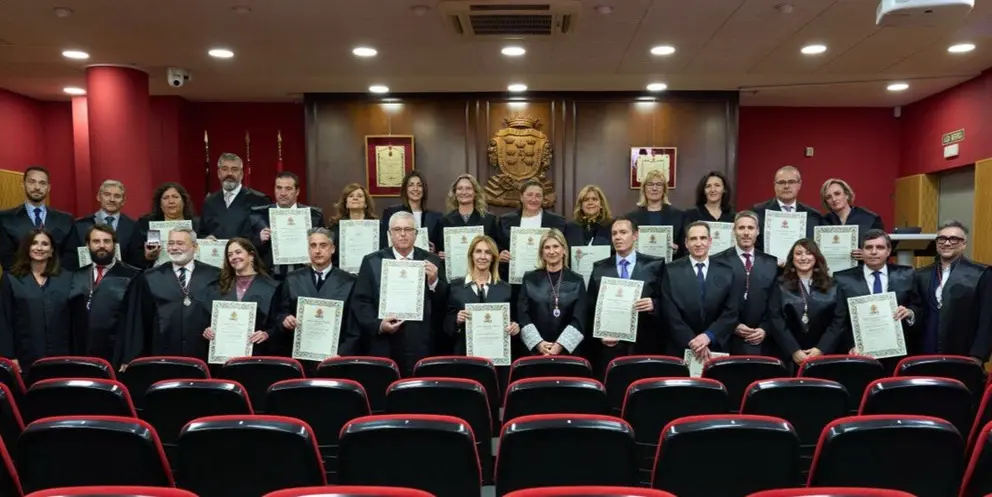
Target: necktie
[623, 269]
[228, 196]
[877, 286]
[99, 274]
[182, 279]
[788, 208]
[748, 266]
[319, 280]
[482, 294]
[37, 217]
[702, 285]
[109, 221]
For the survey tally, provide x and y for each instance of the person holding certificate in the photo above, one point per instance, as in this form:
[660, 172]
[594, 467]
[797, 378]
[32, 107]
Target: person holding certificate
[404, 341]
[171, 203]
[788, 182]
[243, 278]
[480, 286]
[837, 198]
[713, 200]
[698, 299]
[356, 205]
[530, 215]
[259, 225]
[628, 264]
[319, 280]
[414, 197]
[551, 307]
[467, 207]
[590, 224]
[803, 309]
[653, 209]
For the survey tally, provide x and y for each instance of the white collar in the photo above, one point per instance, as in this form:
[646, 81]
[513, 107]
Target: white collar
[234, 193]
[741, 252]
[324, 272]
[409, 256]
[782, 205]
[189, 266]
[469, 280]
[884, 270]
[693, 261]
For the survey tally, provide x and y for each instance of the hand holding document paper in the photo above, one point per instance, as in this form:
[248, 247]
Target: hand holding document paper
[318, 328]
[877, 333]
[615, 317]
[695, 365]
[485, 332]
[232, 323]
[401, 290]
[289, 235]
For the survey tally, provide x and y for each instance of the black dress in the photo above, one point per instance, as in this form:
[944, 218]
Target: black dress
[35, 321]
[536, 308]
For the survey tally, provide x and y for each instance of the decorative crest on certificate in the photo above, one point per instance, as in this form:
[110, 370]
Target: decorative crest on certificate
[401, 290]
[289, 235]
[456, 243]
[232, 323]
[318, 328]
[525, 250]
[656, 241]
[83, 253]
[836, 244]
[211, 251]
[358, 238]
[485, 332]
[876, 331]
[163, 228]
[782, 230]
[615, 317]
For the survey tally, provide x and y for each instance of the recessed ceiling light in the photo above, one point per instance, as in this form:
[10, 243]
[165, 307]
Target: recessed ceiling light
[517, 87]
[662, 50]
[513, 51]
[898, 86]
[72, 90]
[221, 53]
[657, 87]
[814, 49]
[379, 89]
[961, 48]
[364, 52]
[75, 54]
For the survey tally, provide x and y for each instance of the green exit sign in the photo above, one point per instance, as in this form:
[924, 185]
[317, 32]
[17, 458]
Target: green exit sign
[952, 137]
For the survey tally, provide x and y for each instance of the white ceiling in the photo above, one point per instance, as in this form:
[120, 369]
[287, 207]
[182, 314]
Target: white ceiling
[285, 48]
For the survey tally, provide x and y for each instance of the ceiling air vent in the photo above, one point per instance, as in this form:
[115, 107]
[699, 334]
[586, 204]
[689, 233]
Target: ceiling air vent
[503, 18]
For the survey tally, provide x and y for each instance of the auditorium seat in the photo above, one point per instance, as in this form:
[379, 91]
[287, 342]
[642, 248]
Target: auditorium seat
[257, 374]
[739, 371]
[942, 398]
[431, 453]
[726, 454]
[11, 423]
[90, 450]
[544, 366]
[70, 367]
[961, 368]
[589, 491]
[853, 371]
[10, 375]
[652, 403]
[623, 371]
[69, 397]
[113, 491]
[808, 404]
[554, 395]
[565, 450]
[144, 372]
[921, 455]
[349, 491]
[171, 404]
[325, 405]
[978, 477]
[375, 374]
[479, 369]
[10, 483]
[983, 416]
[247, 456]
[831, 492]
[459, 398]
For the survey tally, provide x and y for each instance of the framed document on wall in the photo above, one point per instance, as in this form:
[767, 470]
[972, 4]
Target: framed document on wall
[387, 159]
[646, 159]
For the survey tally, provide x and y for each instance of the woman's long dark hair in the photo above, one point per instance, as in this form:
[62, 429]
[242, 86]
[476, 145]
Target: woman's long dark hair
[22, 259]
[820, 280]
[227, 274]
[728, 193]
[158, 215]
[404, 195]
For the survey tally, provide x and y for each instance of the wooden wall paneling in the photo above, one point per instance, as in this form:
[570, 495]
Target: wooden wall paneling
[981, 237]
[916, 205]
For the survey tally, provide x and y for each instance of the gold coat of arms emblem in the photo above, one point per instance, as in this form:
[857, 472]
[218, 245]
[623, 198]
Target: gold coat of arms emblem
[521, 152]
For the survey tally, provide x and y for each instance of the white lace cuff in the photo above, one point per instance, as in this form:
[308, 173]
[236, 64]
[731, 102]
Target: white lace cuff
[570, 338]
[530, 336]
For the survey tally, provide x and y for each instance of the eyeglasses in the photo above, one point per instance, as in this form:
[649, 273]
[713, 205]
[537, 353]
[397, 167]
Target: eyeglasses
[788, 182]
[949, 240]
[655, 185]
[403, 230]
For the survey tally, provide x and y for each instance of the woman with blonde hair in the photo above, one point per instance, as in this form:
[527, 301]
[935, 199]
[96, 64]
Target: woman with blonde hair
[480, 286]
[551, 307]
[653, 209]
[838, 197]
[591, 218]
[355, 204]
[466, 206]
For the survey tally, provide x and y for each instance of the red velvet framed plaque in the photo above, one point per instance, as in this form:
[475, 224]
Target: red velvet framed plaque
[388, 158]
[646, 159]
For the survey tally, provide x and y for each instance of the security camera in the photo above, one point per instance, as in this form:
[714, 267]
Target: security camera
[177, 77]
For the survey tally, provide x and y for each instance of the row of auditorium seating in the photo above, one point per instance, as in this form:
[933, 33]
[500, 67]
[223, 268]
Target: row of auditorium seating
[698, 456]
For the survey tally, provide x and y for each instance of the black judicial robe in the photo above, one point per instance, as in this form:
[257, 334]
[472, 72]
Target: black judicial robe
[788, 330]
[15, 223]
[77, 237]
[650, 327]
[851, 283]
[134, 252]
[863, 218]
[535, 306]
[258, 220]
[300, 283]
[35, 321]
[681, 305]
[489, 223]
[701, 213]
[158, 323]
[670, 216]
[578, 235]
[97, 325]
[963, 324]
[415, 339]
[755, 310]
[460, 294]
[261, 291]
[813, 218]
[225, 222]
[429, 219]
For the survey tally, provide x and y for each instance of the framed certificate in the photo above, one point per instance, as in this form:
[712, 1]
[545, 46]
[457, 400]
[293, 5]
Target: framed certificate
[232, 322]
[584, 256]
[876, 331]
[163, 228]
[456, 244]
[781, 231]
[836, 244]
[721, 236]
[289, 235]
[211, 251]
[615, 317]
[646, 159]
[401, 290]
[357, 239]
[387, 159]
[318, 328]
[525, 251]
[83, 254]
[656, 241]
[485, 332]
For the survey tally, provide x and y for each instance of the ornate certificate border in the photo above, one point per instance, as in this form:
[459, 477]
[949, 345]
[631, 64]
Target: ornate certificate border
[276, 213]
[304, 305]
[449, 233]
[223, 306]
[516, 232]
[502, 308]
[848, 230]
[672, 165]
[666, 230]
[888, 300]
[371, 179]
[420, 275]
[629, 335]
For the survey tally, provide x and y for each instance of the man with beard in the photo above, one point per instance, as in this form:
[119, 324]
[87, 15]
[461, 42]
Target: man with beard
[167, 305]
[34, 214]
[226, 212]
[97, 295]
[111, 197]
[259, 227]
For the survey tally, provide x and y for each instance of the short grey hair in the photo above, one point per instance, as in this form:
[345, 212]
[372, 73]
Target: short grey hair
[112, 183]
[322, 231]
[790, 169]
[229, 157]
[953, 223]
[401, 215]
[188, 231]
[747, 213]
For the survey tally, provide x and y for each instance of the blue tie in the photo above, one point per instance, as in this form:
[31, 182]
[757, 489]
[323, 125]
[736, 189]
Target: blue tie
[877, 286]
[37, 217]
[109, 221]
[702, 284]
[623, 269]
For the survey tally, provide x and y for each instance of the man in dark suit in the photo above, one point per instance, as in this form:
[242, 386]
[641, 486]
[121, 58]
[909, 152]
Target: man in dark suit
[876, 275]
[405, 342]
[755, 281]
[17, 222]
[257, 224]
[225, 212]
[956, 315]
[699, 303]
[111, 197]
[628, 264]
[319, 280]
[788, 182]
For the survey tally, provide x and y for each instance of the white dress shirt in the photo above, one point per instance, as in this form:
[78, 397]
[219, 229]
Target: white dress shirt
[740, 255]
[189, 270]
[706, 265]
[532, 221]
[870, 278]
[787, 207]
[231, 195]
[631, 262]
